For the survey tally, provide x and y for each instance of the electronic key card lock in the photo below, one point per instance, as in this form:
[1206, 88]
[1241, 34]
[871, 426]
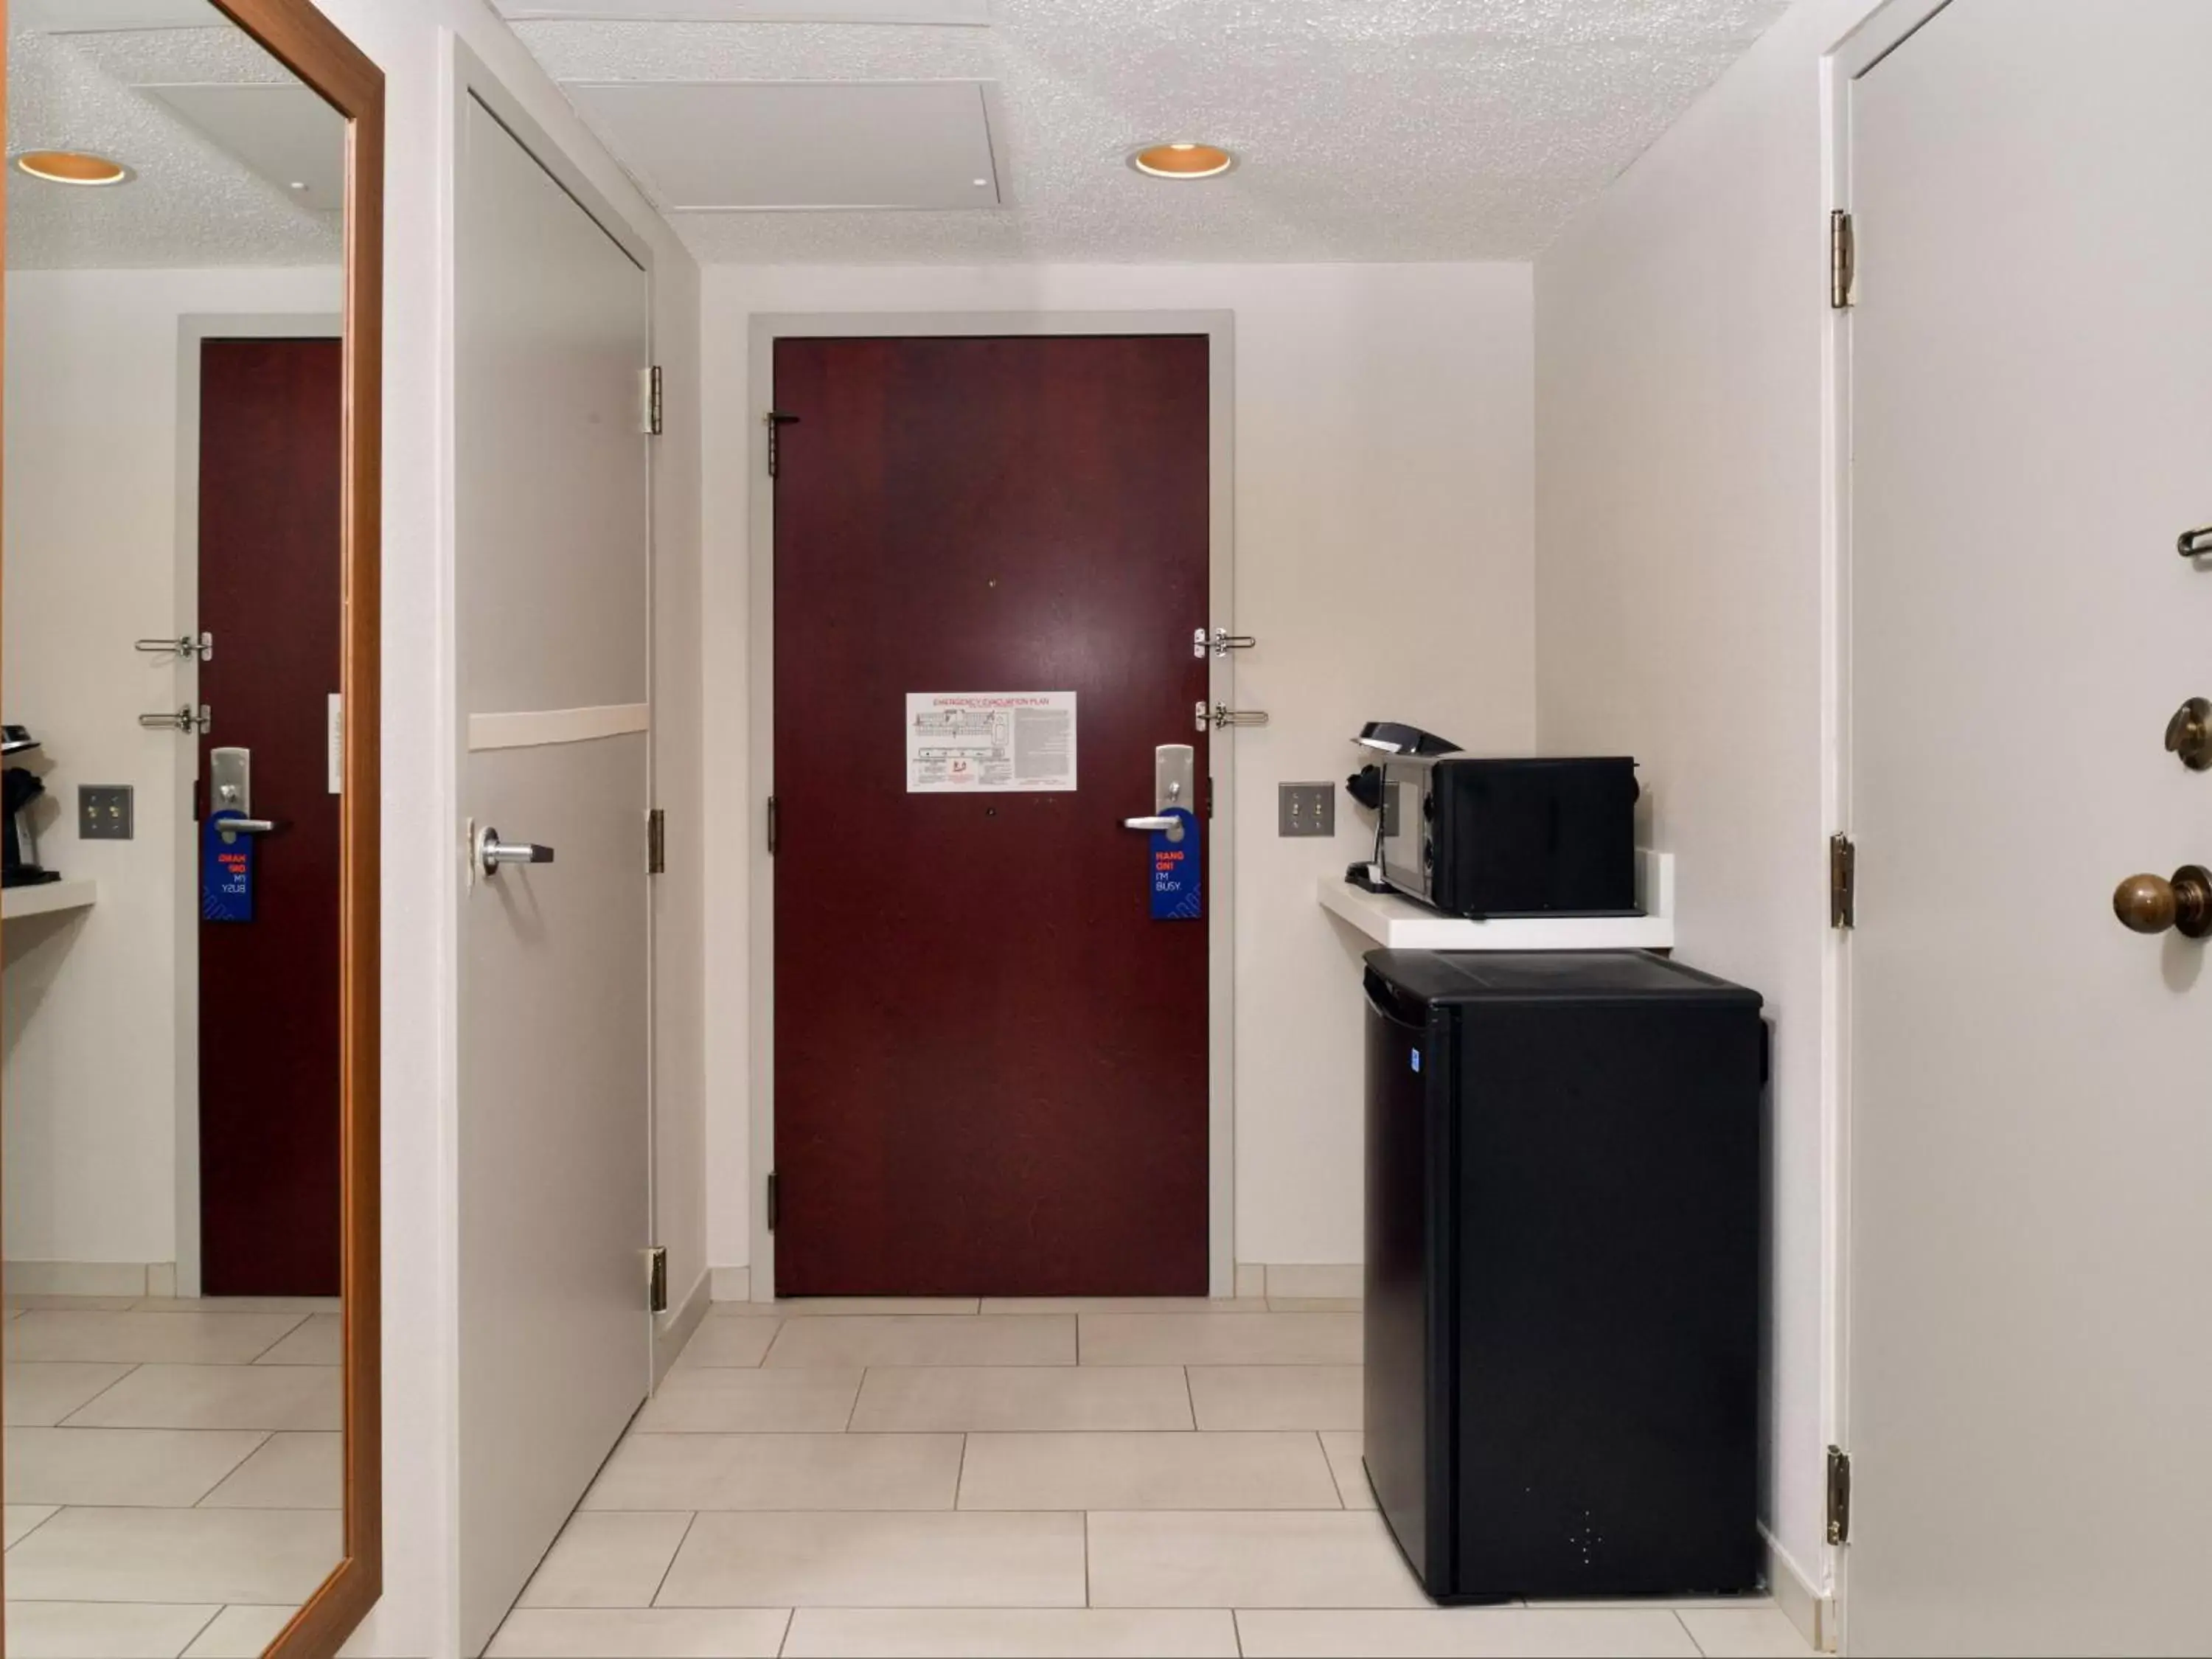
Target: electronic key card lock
[230, 795]
[1173, 791]
[1173, 871]
[228, 837]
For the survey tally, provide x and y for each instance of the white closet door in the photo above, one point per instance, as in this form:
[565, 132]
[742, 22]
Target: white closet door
[2031, 1150]
[553, 488]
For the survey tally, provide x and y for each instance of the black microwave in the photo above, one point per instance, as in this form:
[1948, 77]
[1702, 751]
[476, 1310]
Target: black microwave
[1480, 837]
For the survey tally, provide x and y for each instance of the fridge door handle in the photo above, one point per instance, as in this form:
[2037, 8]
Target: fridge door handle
[1387, 1007]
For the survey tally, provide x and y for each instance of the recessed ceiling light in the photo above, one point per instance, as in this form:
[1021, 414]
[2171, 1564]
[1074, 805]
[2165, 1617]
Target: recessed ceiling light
[1182, 160]
[71, 166]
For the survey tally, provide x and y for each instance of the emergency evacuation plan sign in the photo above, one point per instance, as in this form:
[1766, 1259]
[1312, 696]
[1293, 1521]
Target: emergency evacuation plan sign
[989, 741]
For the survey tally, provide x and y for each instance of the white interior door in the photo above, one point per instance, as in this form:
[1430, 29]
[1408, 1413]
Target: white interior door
[553, 494]
[2030, 1213]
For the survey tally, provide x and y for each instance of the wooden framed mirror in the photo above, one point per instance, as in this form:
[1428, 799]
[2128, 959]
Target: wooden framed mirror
[189, 673]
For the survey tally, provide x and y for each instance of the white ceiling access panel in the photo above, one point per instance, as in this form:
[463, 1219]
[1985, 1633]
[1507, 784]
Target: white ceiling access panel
[279, 129]
[729, 146]
[961, 12]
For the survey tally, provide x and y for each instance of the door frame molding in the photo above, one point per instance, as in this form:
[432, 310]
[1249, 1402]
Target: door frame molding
[194, 329]
[1884, 28]
[1219, 328]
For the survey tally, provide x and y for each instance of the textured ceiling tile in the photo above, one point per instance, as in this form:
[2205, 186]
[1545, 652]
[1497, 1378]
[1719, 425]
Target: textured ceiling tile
[1377, 130]
[192, 205]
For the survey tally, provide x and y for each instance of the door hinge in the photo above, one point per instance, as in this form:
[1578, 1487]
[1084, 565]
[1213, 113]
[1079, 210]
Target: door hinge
[1220, 717]
[656, 1278]
[1839, 1496]
[771, 826]
[191, 647]
[771, 1200]
[656, 842]
[1843, 260]
[1219, 643]
[1843, 881]
[776, 420]
[187, 719]
[656, 401]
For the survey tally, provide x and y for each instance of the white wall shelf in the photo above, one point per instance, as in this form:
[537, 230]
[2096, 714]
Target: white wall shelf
[1399, 924]
[47, 900]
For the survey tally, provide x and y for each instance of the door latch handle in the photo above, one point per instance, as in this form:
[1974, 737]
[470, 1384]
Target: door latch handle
[493, 852]
[1170, 827]
[2194, 544]
[1221, 715]
[232, 828]
[1219, 643]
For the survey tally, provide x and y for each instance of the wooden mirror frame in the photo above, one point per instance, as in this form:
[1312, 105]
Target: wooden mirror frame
[313, 48]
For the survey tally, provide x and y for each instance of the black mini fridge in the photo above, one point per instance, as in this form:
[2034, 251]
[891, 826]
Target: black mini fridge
[1563, 1272]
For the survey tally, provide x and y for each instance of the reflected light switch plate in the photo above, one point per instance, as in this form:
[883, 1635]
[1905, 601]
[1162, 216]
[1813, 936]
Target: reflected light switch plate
[1305, 809]
[105, 812]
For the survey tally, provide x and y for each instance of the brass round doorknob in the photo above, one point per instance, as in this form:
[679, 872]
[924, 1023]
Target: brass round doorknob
[2152, 904]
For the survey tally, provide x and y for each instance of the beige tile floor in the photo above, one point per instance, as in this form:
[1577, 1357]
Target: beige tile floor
[172, 1477]
[1045, 1477]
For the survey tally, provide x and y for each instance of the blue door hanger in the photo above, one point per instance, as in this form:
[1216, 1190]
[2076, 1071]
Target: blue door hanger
[1178, 887]
[226, 871]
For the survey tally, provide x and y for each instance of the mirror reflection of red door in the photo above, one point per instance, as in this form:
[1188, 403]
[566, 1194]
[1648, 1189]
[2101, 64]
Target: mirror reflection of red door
[270, 485]
[990, 1069]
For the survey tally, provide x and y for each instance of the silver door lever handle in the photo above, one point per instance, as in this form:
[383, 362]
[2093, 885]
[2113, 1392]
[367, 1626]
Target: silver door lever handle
[232, 828]
[1172, 827]
[493, 852]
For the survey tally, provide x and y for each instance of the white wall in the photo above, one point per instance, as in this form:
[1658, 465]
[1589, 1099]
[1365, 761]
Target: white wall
[1383, 491]
[1680, 393]
[91, 1036]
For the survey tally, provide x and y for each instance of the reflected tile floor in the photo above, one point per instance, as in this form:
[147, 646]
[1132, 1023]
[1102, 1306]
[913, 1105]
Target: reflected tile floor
[972, 1476]
[173, 1472]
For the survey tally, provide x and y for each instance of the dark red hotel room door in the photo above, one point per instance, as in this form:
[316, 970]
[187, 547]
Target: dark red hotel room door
[270, 591]
[990, 1061]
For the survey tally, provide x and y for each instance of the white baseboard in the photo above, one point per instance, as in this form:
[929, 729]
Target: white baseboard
[672, 1329]
[1814, 1613]
[130, 1279]
[1321, 1280]
[731, 1284]
[1304, 1280]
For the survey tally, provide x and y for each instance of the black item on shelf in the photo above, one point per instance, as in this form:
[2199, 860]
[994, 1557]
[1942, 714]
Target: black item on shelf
[19, 787]
[1563, 1273]
[1396, 738]
[1480, 836]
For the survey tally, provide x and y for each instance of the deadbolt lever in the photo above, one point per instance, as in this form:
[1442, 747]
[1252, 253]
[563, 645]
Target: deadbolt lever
[2189, 735]
[2152, 904]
